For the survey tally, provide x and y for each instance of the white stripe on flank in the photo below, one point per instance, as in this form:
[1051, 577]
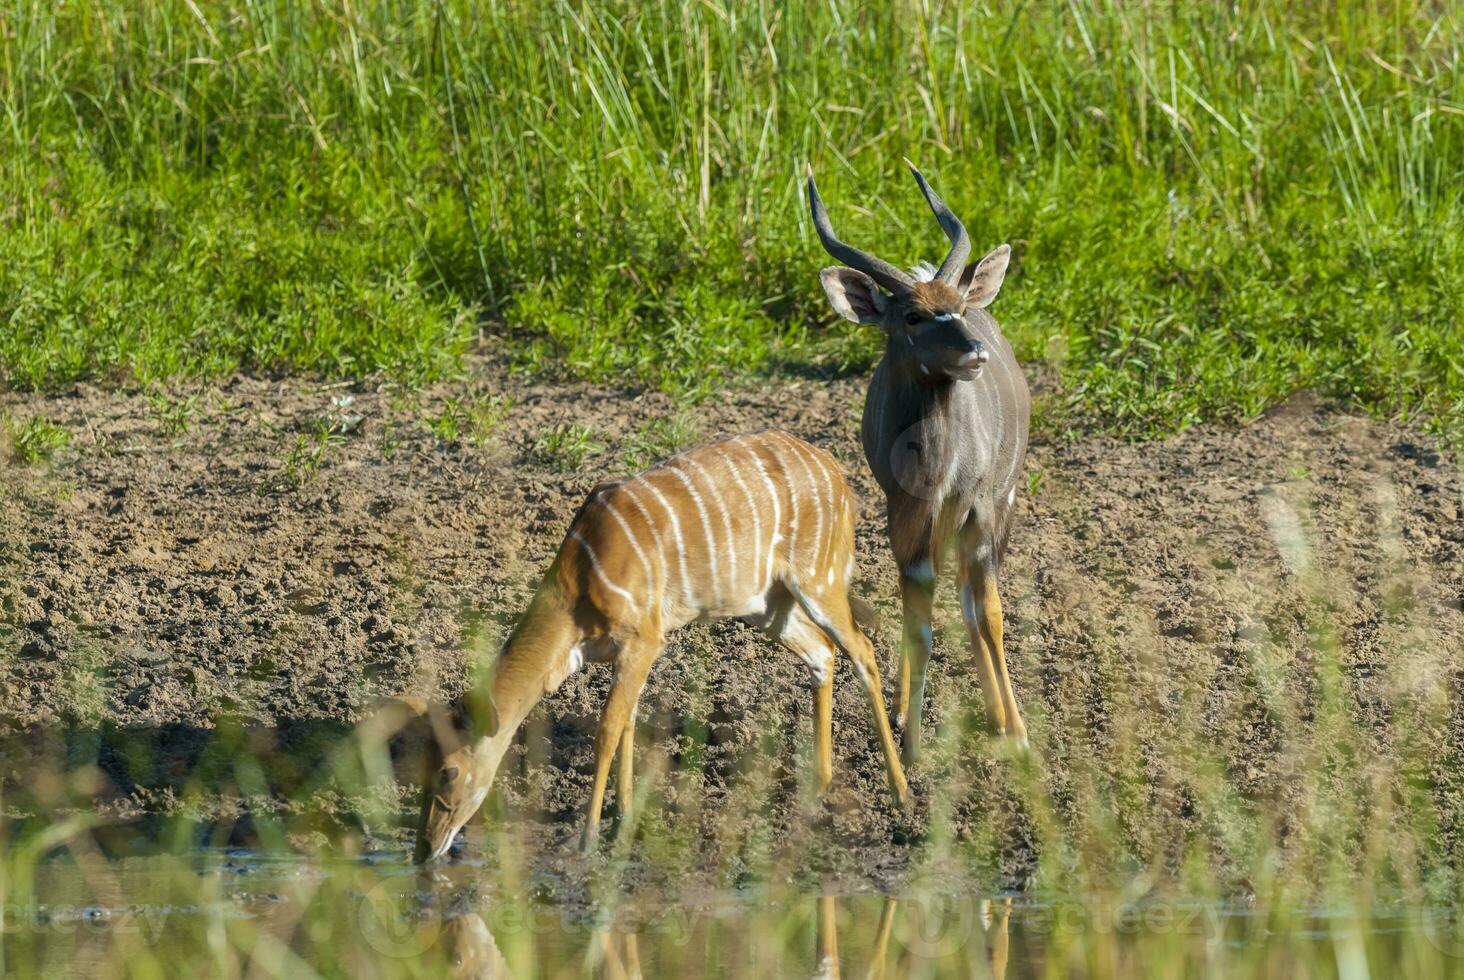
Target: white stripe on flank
[826, 505]
[777, 510]
[655, 534]
[595, 563]
[797, 452]
[680, 544]
[701, 509]
[726, 518]
[752, 508]
[630, 536]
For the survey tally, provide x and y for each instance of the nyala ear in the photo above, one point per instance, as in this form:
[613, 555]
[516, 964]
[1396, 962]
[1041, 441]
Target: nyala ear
[477, 713]
[446, 725]
[982, 280]
[853, 295]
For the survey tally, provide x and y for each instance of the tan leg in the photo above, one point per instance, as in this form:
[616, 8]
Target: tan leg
[631, 668]
[985, 621]
[823, 732]
[882, 939]
[632, 956]
[995, 917]
[791, 627]
[830, 610]
[611, 967]
[625, 771]
[826, 955]
[902, 699]
[973, 610]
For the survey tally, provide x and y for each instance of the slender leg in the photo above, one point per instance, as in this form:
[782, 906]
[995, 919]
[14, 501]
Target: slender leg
[981, 606]
[882, 938]
[973, 610]
[830, 610]
[625, 771]
[791, 627]
[995, 916]
[632, 956]
[631, 668]
[910, 522]
[991, 632]
[902, 699]
[917, 592]
[823, 732]
[826, 952]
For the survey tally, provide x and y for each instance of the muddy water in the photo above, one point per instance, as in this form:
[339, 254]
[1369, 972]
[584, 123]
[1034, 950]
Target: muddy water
[232, 912]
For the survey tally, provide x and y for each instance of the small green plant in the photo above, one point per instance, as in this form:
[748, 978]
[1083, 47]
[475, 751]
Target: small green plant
[175, 414]
[303, 460]
[659, 438]
[564, 447]
[473, 419]
[33, 441]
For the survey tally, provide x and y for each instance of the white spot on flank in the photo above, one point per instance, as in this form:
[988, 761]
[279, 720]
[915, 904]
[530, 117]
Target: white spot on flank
[1011, 496]
[921, 571]
[600, 572]
[576, 658]
[831, 575]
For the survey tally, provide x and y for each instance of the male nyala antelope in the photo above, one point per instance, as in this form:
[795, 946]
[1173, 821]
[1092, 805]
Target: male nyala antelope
[945, 432]
[759, 527]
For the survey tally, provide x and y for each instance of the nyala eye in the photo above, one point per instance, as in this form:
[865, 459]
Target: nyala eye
[912, 318]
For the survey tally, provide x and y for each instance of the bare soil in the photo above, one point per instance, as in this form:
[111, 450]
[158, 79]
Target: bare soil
[1166, 607]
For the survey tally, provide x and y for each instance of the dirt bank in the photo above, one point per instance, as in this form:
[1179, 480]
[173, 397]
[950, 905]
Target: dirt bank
[212, 554]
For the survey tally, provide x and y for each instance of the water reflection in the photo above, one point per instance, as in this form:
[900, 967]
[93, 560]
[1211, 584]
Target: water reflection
[470, 949]
[903, 937]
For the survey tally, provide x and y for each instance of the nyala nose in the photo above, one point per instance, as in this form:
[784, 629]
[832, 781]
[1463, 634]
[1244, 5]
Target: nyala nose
[975, 355]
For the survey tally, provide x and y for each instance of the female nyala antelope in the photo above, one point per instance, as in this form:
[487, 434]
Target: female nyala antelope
[945, 432]
[759, 527]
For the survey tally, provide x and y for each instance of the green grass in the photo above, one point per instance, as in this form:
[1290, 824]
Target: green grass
[657, 438]
[472, 419]
[302, 461]
[33, 441]
[1210, 207]
[565, 447]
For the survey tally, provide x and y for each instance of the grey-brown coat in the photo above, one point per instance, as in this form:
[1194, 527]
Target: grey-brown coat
[945, 433]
